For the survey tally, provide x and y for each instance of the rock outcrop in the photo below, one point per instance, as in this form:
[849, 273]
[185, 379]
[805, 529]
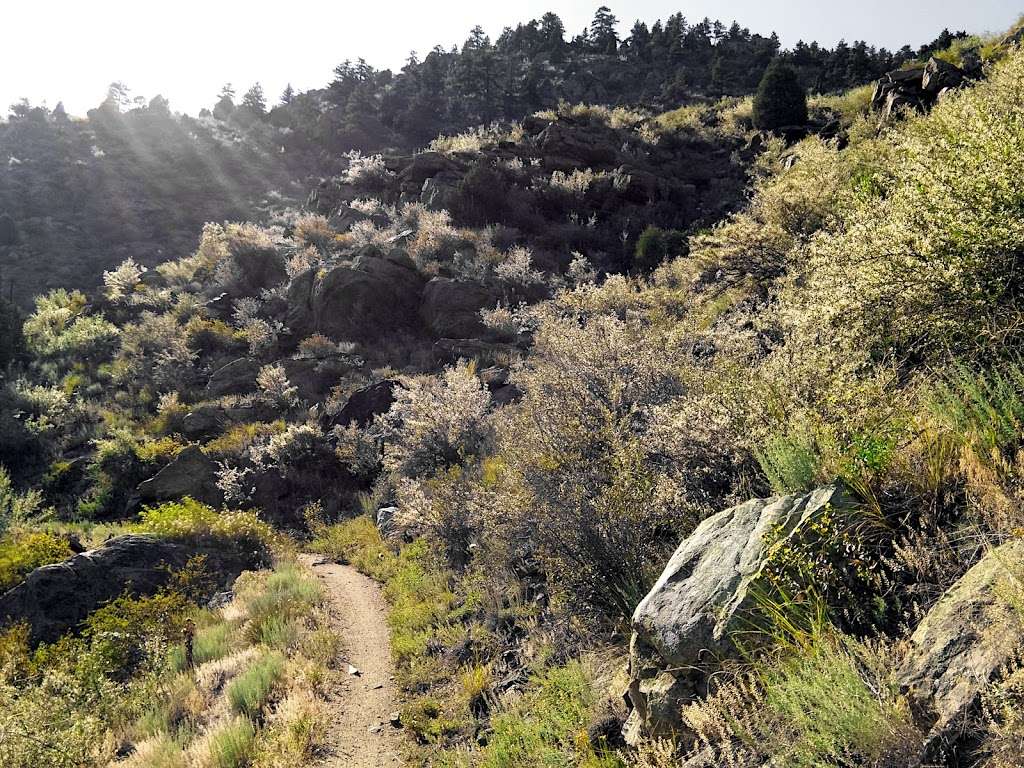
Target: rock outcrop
[56, 598]
[685, 624]
[367, 403]
[961, 645]
[235, 378]
[377, 294]
[190, 473]
[451, 308]
[919, 87]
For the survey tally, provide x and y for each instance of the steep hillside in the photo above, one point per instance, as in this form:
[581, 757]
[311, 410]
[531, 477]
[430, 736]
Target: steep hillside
[134, 181]
[672, 442]
[79, 196]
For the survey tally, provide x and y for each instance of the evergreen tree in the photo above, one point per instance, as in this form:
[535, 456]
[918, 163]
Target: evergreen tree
[780, 100]
[603, 37]
[287, 94]
[255, 101]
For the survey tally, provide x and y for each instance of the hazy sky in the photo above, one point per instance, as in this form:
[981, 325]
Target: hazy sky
[70, 50]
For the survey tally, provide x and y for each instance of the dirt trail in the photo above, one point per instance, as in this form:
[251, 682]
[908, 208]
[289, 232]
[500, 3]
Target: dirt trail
[361, 735]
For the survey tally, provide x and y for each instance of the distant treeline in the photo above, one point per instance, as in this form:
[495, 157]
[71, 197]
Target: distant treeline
[535, 65]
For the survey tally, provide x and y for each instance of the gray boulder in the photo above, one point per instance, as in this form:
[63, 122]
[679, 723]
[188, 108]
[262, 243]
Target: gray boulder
[684, 626]
[190, 473]
[235, 378]
[376, 295]
[451, 308]
[961, 645]
[56, 598]
[369, 402]
[201, 421]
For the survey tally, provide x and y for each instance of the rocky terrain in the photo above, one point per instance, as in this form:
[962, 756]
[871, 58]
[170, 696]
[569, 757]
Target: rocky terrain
[670, 439]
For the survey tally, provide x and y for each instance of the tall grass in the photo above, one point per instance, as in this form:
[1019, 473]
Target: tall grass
[233, 745]
[249, 693]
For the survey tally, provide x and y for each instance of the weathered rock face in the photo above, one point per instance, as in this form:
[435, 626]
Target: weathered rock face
[202, 421]
[235, 378]
[367, 403]
[686, 622]
[314, 378]
[257, 269]
[961, 645]
[191, 473]
[376, 295]
[918, 88]
[451, 308]
[56, 598]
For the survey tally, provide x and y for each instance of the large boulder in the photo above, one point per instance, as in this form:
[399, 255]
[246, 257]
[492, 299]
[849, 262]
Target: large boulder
[377, 294]
[961, 645]
[451, 308]
[235, 378]
[939, 75]
[190, 473]
[314, 378]
[685, 624]
[589, 145]
[369, 402]
[55, 599]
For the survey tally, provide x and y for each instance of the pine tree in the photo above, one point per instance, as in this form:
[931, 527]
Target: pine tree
[780, 100]
[255, 101]
[603, 36]
[287, 94]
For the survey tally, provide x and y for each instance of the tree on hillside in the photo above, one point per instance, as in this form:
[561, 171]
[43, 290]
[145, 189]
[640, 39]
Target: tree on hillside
[780, 99]
[603, 37]
[225, 103]
[255, 101]
[287, 94]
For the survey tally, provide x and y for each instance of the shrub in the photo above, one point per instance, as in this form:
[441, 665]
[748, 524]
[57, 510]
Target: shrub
[544, 727]
[827, 701]
[656, 245]
[358, 542]
[314, 230]
[275, 599]
[250, 692]
[780, 100]
[918, 267]
[233, 744]
[188, 519]
[22, 553]
[435, 423]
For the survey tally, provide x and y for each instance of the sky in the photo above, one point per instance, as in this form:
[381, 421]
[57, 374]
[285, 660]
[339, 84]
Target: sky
[69, 50]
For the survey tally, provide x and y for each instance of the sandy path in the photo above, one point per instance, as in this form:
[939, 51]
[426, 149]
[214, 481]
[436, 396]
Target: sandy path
[361, 735]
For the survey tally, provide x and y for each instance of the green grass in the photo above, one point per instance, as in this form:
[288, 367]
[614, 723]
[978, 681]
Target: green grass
[249, 693]
[233, 745]
[288, 594]
[547, 727]
[827, 710]
[211, 642]
[357, 542]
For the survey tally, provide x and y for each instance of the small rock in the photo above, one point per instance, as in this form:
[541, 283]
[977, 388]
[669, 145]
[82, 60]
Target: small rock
[353, 671]
[396, 719]
[376, 728]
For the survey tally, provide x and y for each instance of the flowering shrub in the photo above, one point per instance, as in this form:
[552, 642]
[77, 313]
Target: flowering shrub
[436, 422]
[366, 173]
[273, 383]
[120, 283]
[189, 520]
[61, 329]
